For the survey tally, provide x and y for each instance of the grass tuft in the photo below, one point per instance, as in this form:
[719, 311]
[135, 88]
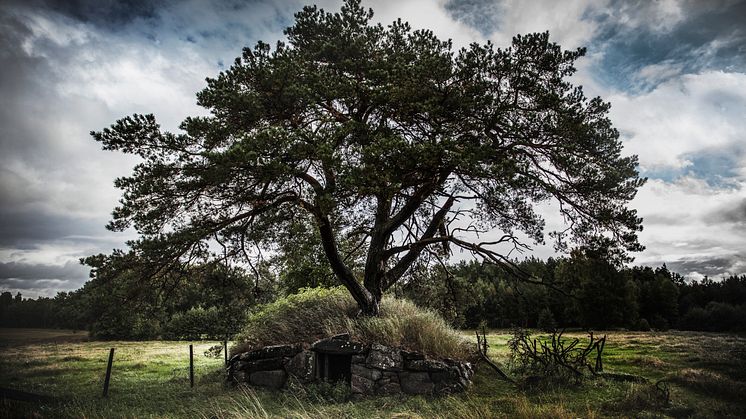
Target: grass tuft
[317, 313]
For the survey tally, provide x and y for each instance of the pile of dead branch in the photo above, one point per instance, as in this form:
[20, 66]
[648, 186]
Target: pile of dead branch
[555, 357]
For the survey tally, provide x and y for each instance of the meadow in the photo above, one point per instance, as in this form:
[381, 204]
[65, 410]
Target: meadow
[704, 375]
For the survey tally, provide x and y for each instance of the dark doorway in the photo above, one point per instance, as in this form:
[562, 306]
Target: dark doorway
[333, 368]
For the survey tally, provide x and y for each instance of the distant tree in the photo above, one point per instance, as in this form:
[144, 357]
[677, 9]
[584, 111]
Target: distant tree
[384, 137]
[125, 299]
[603, 295]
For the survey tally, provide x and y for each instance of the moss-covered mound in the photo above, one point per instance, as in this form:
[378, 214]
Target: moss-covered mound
[318, 313]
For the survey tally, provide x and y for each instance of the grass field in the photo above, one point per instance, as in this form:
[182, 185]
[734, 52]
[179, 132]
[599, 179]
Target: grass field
[705, 373]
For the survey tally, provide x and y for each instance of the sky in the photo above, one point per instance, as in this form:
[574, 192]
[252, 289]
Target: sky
[673, 70]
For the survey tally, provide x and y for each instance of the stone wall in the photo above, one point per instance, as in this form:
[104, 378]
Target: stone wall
[374, 369]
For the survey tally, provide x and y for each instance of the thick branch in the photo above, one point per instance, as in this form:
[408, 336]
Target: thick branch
[406, 261]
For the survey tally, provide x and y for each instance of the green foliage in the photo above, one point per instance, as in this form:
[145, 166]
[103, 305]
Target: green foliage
[380, 137]
[200, 324]
[715, 316]
[125, 300]
[318, 313]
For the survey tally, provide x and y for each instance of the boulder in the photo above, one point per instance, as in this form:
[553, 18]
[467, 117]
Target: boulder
[301, 365]
[416, 382]
[369, 373]
[384, 358]
[274, 379]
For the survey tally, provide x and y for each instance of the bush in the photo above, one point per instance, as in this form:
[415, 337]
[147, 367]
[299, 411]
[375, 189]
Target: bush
[200, 323]
[317, 313]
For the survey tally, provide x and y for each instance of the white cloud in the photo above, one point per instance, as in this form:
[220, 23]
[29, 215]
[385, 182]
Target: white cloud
[682, 116]
[569, 23]
[658, 16]
[680, 227]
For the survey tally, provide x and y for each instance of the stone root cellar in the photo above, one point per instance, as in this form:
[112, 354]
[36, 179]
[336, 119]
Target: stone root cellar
[367, 369]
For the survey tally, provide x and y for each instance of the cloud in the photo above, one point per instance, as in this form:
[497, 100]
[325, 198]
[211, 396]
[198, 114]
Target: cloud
[643, 43]
[33, 280]
[693, 113]
[733, 213]
[693, 227]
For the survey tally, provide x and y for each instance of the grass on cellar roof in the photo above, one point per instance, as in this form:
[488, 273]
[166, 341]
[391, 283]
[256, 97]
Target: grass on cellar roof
[318, 313]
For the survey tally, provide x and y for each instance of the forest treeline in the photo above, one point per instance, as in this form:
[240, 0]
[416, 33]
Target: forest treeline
[211, 301]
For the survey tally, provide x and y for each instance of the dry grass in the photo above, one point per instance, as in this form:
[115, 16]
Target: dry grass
[710, 383]
[317, 313]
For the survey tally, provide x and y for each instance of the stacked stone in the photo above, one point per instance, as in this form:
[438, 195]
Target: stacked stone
[375, 369]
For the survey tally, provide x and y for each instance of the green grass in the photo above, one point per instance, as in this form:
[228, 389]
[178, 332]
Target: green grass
[705, 372]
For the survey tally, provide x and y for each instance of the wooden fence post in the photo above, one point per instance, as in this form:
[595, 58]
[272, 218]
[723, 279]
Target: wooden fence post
[108, 372]
[191, 366]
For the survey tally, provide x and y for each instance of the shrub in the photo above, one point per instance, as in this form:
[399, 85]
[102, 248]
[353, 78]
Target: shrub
[316, 313]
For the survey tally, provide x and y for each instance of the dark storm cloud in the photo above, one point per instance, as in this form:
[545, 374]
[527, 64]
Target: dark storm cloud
[734, 214]
[710, 35]
[34, 280]
[26, 230]
[712, 267]
[108, 14]
[69, 271]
